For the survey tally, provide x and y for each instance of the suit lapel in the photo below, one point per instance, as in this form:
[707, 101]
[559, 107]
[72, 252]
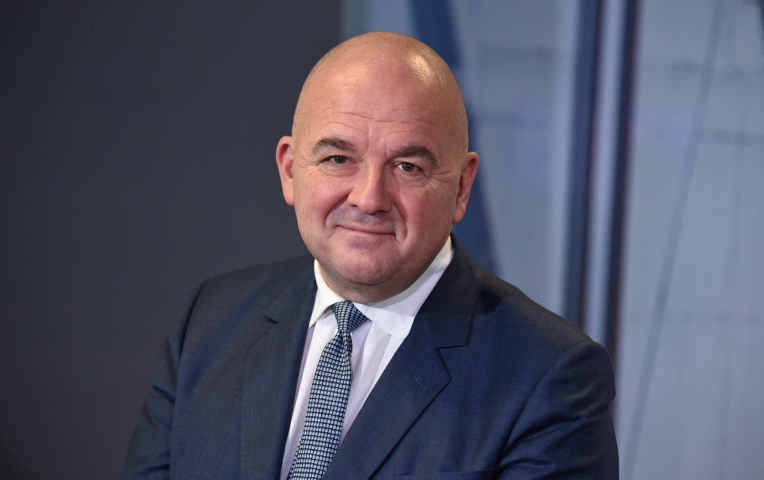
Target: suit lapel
[416, 374]
[270, 379]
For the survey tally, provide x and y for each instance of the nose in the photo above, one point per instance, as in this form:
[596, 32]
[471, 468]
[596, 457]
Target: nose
[370, 191]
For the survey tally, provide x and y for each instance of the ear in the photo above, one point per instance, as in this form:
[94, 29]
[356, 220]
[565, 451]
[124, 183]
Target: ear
[465, 185]
[285, 162]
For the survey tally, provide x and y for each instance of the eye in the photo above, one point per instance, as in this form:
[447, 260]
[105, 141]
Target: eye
[338, 159]
[408, 167]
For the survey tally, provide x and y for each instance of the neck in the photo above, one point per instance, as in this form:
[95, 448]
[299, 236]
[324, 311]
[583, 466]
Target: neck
[366, 294]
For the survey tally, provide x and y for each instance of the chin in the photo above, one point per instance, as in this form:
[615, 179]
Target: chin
[367, 270]
[365, 275]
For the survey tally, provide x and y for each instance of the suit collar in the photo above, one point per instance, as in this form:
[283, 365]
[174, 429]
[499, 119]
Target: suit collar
[303, 288]
[449, 308]
[272, 369]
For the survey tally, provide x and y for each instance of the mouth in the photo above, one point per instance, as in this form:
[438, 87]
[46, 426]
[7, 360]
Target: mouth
[366, 230]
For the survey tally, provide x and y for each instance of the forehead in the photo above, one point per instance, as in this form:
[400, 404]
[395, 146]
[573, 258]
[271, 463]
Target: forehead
[377, 105]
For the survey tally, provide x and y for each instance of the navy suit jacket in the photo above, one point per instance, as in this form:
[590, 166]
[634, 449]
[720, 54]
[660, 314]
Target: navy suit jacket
[487, 384]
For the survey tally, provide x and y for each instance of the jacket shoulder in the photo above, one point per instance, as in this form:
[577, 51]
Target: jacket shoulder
[517, 313]
[236, 302]
[257, 282]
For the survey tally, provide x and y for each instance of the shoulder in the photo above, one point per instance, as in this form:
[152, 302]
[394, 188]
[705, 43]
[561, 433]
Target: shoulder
[235, 303]
[523, 320]
[509, 326]
[264, 275]
[258, 282]
[538, 352]
[503, 311]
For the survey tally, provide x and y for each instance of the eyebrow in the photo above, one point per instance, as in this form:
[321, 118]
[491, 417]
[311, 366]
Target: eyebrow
[327, 143]
[409, 151]
[419, 151]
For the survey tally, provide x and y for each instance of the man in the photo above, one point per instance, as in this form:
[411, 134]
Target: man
[392, 354]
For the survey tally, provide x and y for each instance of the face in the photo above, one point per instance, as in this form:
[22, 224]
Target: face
[375, 177]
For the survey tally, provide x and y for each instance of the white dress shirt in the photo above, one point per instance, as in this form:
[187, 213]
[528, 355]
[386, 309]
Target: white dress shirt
[374, 343]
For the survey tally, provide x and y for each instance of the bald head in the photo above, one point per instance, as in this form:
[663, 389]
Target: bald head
[384, 61]
[377, 166]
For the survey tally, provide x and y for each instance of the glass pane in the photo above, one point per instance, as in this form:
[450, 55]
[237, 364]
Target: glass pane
[691, 384]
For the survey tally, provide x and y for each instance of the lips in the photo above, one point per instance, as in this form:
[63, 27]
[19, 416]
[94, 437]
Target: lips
[367, 230]
[350, 219]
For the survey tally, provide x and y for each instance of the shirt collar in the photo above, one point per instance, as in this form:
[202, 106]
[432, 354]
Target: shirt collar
[396, 314]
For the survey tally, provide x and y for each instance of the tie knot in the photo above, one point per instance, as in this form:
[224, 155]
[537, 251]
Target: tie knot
[348, 317]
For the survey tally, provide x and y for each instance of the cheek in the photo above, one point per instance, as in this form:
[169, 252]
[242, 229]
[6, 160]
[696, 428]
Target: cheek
[314, 199]
[429, 210]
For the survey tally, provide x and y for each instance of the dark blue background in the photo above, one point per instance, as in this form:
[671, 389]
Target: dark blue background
[137, 144]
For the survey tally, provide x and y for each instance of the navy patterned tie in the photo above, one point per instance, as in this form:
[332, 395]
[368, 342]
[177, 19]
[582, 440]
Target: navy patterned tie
[328, 399]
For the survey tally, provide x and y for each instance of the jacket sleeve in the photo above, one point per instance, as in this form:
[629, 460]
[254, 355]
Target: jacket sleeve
[148, 452]
[565, 430]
